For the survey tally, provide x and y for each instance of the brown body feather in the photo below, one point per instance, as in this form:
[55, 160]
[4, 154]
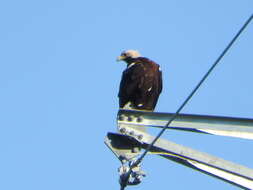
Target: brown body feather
[141, 84]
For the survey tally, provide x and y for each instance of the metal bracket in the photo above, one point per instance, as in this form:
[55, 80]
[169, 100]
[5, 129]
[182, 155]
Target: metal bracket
[216, 125]
[124, 147]
[131, 122]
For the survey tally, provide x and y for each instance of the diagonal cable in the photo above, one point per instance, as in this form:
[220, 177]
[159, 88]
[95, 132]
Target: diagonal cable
[138, 161]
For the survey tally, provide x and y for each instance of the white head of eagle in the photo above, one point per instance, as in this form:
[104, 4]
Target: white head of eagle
[141, 82]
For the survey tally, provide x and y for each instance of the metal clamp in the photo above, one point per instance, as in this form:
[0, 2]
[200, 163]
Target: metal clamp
[130, 176]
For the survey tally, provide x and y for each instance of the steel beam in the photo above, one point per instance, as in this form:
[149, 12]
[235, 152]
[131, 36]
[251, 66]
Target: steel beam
[216, 125]
[230, 172]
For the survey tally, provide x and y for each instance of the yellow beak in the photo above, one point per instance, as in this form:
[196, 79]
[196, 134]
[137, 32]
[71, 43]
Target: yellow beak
[120, 58]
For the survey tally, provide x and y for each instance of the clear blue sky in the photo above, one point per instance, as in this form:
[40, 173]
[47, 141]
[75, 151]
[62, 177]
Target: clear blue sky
[59, 83]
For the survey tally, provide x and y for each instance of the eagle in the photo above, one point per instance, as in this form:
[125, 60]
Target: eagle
[141, 82]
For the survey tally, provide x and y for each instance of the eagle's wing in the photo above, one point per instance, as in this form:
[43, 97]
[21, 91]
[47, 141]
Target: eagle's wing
[131, 82]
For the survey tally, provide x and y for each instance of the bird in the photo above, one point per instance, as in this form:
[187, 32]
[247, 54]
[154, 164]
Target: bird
[141, 82]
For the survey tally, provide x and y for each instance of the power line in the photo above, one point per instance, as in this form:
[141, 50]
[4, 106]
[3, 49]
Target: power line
[195, 89]
[138, 161]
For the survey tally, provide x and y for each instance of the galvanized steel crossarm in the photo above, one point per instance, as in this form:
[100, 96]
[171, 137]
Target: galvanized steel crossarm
[218, 125]
[228, 171]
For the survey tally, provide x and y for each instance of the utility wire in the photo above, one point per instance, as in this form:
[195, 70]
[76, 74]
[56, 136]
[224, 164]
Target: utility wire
[138, 161]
